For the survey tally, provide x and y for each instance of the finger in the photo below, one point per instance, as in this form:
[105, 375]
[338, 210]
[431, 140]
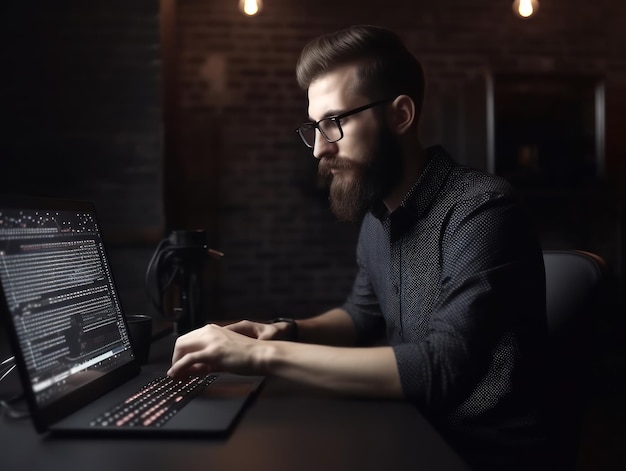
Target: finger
[180, 350]
[186, 344]
[236, 326]
[268, 332]
[255, 330]
[199, 369]
[187, 365]
[247, 328]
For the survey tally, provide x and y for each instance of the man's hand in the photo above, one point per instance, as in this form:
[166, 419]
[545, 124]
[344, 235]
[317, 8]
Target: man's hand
[242, 348]
[213, 348]
[261, 331]
[368, 371]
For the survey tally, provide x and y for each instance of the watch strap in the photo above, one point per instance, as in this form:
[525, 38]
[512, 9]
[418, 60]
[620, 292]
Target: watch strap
[292, 322]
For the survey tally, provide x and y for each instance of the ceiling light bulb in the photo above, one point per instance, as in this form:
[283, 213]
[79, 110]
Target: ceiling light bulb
[250, 7]
[525, 8]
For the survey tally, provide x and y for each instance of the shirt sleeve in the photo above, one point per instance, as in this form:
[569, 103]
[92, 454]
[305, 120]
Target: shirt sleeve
[489, 308]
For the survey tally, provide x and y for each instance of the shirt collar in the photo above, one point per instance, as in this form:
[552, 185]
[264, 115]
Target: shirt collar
[422, 193]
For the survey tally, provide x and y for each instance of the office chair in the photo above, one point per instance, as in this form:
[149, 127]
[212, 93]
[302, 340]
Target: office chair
[573, 278]
[573, 281]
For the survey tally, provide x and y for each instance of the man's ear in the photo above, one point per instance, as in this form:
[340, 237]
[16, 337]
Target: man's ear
[401, 114]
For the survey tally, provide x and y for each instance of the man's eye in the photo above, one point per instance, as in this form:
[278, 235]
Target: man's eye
[326, 124]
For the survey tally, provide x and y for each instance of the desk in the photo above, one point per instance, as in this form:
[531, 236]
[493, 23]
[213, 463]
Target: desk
[286, 428]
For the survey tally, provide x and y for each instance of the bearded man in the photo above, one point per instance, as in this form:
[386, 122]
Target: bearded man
[450, 273]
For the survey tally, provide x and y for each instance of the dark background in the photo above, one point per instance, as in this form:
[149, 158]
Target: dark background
[180, 115]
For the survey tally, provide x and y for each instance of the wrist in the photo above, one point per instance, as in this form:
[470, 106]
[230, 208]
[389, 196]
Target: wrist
[264, 357]
[288, 328]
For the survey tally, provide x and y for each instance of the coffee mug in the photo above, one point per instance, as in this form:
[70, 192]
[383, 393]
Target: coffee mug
[140, 330]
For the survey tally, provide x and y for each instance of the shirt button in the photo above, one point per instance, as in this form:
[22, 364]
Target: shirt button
[396, 288]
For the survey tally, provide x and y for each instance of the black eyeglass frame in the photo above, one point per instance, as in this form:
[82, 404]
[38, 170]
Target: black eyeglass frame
[335, 119]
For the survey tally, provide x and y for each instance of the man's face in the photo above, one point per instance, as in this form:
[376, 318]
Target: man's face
[366, 163]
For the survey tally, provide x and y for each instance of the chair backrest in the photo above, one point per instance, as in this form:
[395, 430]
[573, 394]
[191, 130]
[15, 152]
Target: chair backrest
[573, 278]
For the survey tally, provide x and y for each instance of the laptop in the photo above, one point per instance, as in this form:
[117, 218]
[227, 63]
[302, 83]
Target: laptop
[70, 339]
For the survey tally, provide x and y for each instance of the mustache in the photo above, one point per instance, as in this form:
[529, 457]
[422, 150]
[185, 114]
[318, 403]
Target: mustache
[326, 165]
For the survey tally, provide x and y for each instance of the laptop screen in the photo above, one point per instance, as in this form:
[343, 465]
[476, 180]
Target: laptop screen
[60, 297]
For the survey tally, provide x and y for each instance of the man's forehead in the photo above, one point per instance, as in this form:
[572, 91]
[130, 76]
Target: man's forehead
[334, 90]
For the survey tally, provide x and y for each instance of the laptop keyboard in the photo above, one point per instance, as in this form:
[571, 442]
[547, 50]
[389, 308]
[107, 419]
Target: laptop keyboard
[154, 404]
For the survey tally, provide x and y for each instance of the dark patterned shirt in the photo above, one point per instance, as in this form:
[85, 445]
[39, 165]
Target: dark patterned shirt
[455, 278]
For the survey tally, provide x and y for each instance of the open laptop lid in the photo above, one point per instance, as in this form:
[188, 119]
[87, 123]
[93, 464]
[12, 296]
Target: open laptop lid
[60, 305]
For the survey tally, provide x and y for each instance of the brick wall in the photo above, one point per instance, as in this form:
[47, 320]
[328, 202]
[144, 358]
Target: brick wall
[81, 116]
[285, 252]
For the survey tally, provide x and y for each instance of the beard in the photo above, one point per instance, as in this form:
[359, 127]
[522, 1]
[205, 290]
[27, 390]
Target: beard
[362, 184]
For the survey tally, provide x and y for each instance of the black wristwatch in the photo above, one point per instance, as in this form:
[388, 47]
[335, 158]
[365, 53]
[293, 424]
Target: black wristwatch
[292, 322]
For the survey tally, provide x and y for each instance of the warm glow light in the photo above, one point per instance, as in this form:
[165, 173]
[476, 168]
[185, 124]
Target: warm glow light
[525, 8]
[250, 7]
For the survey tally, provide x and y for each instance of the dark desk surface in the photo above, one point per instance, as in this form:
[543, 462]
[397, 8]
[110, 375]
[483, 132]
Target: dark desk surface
[286, 427]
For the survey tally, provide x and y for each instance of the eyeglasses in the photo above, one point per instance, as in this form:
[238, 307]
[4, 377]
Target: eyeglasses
[330, 128]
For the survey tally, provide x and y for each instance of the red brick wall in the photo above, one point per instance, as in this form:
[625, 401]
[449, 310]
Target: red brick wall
[240, 172]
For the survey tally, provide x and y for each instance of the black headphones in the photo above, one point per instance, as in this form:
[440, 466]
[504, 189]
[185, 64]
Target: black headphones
[172, 257]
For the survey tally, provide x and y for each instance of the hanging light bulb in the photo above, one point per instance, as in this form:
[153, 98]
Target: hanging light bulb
[250, 7]
[525, 8]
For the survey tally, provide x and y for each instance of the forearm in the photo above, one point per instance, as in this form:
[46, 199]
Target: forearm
[334, 327]
[354, 371]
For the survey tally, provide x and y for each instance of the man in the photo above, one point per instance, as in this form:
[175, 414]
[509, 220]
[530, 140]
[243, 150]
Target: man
[448, 268]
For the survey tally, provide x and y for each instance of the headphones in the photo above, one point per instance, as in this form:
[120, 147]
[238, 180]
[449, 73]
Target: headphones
[178, 258]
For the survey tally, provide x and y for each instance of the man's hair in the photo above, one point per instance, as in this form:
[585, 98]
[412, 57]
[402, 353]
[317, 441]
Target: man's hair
[385, 67]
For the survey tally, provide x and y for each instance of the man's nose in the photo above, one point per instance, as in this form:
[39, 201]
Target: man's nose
[322, 147]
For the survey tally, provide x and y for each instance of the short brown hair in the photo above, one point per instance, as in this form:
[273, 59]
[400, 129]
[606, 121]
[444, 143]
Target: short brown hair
[386, 68]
